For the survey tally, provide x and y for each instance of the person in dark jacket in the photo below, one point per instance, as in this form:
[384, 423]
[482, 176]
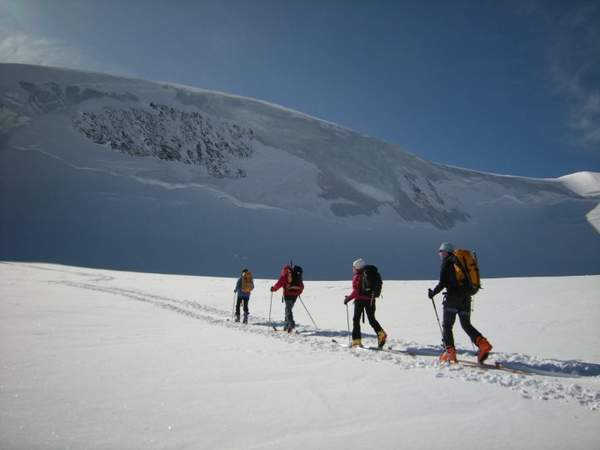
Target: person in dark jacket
[243, 288]
[457, 301]
[362, 303]
[291, 290]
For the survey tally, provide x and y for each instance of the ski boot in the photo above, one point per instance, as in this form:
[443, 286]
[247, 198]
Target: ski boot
[484, 349]
[237, 318]
[356, 343]
[290, 327]
[449, 355]
[245, 318]
[381, 338]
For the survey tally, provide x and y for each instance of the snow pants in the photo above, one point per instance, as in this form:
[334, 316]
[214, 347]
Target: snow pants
[462, 307]
[368, 307]
[241, 301]
[290, 301]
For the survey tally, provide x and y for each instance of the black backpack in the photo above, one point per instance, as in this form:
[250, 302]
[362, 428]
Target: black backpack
[371, 282]
[296, 278]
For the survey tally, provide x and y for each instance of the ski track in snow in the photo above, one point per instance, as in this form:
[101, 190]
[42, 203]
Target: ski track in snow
[546, 379]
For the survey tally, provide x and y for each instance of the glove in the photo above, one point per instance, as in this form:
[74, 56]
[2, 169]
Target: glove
[272, 289]
[346, 300]
[430, 293]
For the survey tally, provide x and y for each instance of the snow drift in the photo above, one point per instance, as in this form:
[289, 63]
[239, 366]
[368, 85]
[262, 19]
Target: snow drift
[105, 171]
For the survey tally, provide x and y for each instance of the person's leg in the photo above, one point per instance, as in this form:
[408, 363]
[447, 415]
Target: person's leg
[358, 310]
[449, 319]
[465, 323]
[381, 335]
[449, 354]
[246, 311]
[237, 308]
[370, 310]
[476, 337]
[289, 313]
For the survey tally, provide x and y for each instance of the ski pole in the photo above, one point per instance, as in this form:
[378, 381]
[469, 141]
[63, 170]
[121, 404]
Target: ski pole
[308, 312]
[270, 305]
[348, 321]
[473, 309]
[438, 321]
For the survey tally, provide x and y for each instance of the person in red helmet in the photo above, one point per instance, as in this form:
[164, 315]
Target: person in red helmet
[363, 301]
[290, 279]
[457, 301]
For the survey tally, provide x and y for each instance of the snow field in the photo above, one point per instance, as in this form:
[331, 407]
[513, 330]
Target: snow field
[102, 359]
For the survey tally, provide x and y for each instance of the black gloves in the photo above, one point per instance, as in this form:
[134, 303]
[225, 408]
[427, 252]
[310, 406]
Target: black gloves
[346, 300]
[430, 293]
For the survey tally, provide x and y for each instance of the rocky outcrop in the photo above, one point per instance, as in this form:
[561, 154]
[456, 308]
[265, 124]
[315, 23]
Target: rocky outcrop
[170, 134]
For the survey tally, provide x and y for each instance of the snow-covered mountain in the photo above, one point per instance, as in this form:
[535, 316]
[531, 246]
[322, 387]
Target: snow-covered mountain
[124, 173]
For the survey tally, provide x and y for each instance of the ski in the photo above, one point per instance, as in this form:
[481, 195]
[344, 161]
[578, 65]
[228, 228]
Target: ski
[341, 344]
[465, 363]
[391, 349]
[294, 331]
[494, 366]
[361, 347]
[388, 349]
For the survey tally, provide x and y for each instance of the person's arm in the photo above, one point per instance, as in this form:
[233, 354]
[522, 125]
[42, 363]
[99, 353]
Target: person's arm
[443, 278]
[280, 283]
[355, 289]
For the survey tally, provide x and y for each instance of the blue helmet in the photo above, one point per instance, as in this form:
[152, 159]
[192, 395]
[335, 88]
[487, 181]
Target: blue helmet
[446, 247]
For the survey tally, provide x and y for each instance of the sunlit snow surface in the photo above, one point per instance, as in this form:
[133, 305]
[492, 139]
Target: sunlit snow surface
[106, 359]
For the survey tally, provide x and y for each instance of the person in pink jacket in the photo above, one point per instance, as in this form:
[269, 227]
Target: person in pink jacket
[362, 302]
[290, 280]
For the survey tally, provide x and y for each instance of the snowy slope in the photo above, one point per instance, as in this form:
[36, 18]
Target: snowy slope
[106, 359]
[585, 184]
[124, 173]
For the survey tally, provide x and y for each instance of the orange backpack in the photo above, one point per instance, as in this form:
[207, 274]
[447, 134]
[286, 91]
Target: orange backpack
[247, 282]
[467, 270]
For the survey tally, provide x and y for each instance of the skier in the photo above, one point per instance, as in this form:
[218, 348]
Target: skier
[290, 280]
[363, 302]
[456, 301]
[243, 287]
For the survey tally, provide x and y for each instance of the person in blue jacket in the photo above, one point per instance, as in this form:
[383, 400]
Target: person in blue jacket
[243, 288]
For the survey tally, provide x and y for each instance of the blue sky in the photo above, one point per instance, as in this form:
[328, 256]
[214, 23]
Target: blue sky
[501, 86]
